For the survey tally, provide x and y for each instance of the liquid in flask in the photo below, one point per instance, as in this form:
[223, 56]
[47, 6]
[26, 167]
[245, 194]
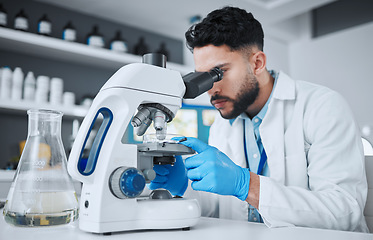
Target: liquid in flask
[42, 192]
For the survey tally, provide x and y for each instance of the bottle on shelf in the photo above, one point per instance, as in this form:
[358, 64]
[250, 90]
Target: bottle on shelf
[95, 38]
[69, 32]
[42, 89]
[17, 84]
[118, 44]
[6, 83]
[21, 21]
[141, 48]
[163, 50]
[29, 87]
[3, 16]
[45, 26]
[68, 99]
[86, 101]
[56, 91]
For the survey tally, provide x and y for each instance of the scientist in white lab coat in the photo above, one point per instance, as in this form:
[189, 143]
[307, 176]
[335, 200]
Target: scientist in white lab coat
[282, 152]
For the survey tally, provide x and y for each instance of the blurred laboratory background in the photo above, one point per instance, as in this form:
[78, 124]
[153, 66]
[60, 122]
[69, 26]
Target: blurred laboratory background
[57, 54]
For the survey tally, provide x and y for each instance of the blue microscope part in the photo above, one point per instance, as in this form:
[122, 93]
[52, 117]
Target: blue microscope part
[132, 182]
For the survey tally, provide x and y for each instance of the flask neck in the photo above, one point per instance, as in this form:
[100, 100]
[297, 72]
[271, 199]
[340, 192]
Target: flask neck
[44, 122]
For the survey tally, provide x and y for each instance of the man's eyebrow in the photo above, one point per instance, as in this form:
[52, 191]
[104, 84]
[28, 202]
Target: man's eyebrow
[217, 66]
[222, 65]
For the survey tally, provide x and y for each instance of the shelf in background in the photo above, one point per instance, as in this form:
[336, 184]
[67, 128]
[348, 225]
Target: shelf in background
[7, 175]
[22, 106]
[58, 49]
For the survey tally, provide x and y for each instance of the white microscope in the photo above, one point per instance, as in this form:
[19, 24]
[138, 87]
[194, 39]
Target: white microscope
[114, 174]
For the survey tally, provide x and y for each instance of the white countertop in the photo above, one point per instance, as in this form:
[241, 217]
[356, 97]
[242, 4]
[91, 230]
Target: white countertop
[210, 228]
[207, 228]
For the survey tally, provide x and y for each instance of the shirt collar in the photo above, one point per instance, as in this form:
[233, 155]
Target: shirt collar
[263, 111]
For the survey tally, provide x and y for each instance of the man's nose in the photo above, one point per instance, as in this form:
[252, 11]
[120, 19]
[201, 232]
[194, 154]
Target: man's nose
[215, 89]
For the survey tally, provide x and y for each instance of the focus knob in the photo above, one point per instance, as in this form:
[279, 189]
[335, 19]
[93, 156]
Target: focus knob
[127, 182]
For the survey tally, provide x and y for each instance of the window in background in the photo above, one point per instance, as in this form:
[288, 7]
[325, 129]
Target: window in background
[208, 117]
[185, 123]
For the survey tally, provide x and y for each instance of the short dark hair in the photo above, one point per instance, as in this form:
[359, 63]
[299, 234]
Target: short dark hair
[229, 26]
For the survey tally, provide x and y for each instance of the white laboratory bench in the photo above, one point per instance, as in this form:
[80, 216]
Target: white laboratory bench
[206, 228]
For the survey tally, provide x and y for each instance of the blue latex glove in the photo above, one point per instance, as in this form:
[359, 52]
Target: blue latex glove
[212, 171]
[173, 178]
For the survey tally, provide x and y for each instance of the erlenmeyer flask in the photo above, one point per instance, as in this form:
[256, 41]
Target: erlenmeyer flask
[42, 192]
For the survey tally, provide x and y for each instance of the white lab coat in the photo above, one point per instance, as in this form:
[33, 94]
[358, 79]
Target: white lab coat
[315, 160]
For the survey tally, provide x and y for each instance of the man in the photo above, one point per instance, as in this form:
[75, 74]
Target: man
[287, 152]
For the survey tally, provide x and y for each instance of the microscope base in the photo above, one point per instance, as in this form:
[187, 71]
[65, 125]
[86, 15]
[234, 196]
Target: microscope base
[150, 214]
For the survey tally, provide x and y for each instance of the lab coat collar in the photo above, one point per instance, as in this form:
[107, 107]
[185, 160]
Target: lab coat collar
[285, 87]
[263, 111]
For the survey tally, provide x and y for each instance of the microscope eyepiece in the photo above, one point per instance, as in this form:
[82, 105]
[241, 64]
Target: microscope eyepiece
[197, 83]
[216, 74]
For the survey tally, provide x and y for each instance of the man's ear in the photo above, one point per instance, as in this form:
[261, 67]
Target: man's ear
[259, 61]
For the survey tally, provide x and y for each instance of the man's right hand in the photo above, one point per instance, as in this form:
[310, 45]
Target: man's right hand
[173, 178]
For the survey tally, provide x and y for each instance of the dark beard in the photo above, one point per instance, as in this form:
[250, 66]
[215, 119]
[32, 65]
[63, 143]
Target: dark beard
[246, 97]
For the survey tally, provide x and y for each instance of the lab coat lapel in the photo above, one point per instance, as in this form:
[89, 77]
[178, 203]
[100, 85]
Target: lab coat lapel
[236, 143]
[231, 207]
[272, 128]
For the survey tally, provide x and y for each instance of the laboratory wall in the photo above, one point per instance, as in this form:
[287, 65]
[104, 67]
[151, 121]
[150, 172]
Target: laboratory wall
[277, 52]
[341, 61]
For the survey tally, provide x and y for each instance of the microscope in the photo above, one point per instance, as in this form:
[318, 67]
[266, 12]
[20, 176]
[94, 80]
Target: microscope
[114, 175]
